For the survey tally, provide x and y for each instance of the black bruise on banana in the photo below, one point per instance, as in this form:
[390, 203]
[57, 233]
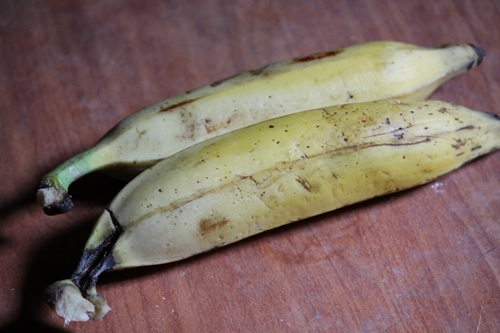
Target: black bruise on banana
[96, 261]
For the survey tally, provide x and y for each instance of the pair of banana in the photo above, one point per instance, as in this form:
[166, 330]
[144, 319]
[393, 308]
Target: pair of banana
[265, 148]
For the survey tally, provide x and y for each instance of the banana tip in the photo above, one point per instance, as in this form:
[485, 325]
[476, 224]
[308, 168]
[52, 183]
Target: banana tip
[71, 305]
[478, 57]
[53, 201]
[480, 54]
[59, 208]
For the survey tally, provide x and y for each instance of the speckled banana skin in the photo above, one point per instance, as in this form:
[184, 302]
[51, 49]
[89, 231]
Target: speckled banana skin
[280, 171]
[359, 73]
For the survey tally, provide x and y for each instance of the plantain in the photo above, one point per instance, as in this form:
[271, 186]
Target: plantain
[359, 73]
[267, 175]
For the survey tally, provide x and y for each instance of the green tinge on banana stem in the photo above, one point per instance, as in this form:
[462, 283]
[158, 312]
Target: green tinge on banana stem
[52, 192]
[270, 174]
[360, 73]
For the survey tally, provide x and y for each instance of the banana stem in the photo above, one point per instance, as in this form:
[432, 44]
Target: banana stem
[97, 259]
[52, 192]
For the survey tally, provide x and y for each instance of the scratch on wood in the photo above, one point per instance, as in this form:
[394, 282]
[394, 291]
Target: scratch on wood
[492, 249]
[479, 322]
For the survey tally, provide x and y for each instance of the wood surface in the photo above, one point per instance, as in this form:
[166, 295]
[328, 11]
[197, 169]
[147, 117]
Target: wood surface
[424, 260]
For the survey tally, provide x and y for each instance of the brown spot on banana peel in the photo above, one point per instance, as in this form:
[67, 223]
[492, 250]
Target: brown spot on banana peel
[459, 143]
[469, 127]
[173, 106]
[305, 184]
[210, 127]
[399, 136]
[250, 178]
[209, 225]
[318, 56]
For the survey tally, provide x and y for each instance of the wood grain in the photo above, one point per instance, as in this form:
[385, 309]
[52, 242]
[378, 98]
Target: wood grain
[425, 260]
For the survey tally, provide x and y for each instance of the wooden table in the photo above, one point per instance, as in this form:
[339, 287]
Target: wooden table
[425, 260]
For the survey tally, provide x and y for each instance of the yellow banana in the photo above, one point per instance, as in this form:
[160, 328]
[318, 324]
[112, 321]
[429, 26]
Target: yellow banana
[365, 72]
[270, 174]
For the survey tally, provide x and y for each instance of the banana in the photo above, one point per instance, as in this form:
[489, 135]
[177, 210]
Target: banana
[359, 73]
[267, 175]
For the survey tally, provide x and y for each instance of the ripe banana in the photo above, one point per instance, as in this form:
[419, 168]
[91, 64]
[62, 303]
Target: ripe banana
[270, 174]
[359, 73]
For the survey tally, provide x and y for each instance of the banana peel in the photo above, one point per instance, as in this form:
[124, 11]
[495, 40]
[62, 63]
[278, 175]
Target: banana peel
[268, 175]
